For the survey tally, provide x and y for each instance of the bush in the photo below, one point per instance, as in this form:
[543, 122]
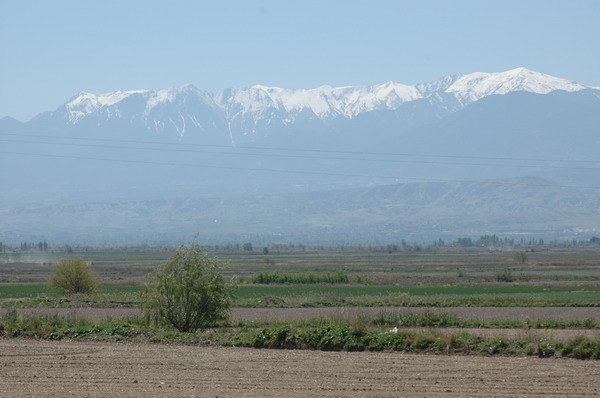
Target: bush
[188, 291]
[520, 257]
[73, 276]
[505, 276]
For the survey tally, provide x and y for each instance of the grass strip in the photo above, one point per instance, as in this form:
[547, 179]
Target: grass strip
[327, 295]
[318, 334]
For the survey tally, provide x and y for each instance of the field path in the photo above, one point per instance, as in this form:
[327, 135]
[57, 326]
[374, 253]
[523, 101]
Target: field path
[93, 369]
[293, 314]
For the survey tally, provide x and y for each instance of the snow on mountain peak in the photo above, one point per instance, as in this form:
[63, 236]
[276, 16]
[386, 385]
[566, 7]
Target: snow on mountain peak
[323, 101]
[474, 86]
[85, 99]
[86, 103]
[266, 102]
[169, 95]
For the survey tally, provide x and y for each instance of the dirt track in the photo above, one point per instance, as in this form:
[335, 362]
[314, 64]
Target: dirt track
[88, 369]
[292, 314]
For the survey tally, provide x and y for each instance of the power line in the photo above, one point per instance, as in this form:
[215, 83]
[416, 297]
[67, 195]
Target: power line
[195, 165]
[395, 178]
[303, 149]
[308, 156]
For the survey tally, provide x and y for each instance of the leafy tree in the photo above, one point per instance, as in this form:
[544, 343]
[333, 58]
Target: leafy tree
[188, 291]
[520, 257]
[73, 276]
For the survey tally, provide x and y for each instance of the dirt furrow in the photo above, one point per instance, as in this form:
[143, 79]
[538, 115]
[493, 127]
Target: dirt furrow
[76, 368]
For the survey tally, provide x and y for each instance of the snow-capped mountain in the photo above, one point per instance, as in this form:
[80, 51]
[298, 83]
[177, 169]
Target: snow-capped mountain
[159, 146]
[246, 114]
[475, 86]
[502, 115]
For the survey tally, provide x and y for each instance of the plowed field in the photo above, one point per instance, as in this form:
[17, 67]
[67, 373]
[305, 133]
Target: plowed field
[91, 369]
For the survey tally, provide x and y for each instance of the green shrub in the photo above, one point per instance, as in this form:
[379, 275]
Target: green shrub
[338, 276]
[188, 292]
[273, 338]
[505, 276]
[424, 342]
[545, 349]
[582, 348]
[73, 276]
[494, 346]
[520, 257]
[10, 324]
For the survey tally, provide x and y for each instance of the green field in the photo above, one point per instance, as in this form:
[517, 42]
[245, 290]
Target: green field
[337, 295]
[376, 277]
[429, 277]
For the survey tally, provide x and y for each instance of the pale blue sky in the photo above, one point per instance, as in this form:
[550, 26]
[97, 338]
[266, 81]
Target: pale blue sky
[51, 50]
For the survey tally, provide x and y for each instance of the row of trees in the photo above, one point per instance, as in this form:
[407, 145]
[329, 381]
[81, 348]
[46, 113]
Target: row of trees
[494, 240]
[279, 248]
[487, 241]
[41, 246]
[27, 246]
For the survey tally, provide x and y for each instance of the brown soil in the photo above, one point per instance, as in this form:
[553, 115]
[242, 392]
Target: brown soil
[91, 369]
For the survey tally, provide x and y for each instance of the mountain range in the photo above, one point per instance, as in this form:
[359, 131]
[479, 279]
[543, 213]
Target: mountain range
[239, 116]
[281, 147]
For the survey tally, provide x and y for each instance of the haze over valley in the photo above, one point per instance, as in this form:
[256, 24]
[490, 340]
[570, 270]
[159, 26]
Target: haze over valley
[512, 153]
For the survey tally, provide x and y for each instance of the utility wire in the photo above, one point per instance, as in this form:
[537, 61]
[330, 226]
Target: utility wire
[195, 165]
[301, 149]
[395, 178]
[302, 156]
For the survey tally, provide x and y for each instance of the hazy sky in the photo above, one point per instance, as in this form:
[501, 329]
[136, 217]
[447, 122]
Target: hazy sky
[51, 50]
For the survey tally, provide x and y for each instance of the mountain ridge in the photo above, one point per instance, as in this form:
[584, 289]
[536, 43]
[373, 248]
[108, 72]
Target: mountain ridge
[87, 102]
[469, 87]
[416, 212]
[242, 115]
[270, 155]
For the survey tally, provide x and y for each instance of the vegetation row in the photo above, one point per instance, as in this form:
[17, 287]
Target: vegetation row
[329, 295]
[318, 334]
[338, 276]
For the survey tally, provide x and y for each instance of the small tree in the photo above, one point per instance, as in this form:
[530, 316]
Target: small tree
[520, 257]
[188, 291]
[73, 276]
